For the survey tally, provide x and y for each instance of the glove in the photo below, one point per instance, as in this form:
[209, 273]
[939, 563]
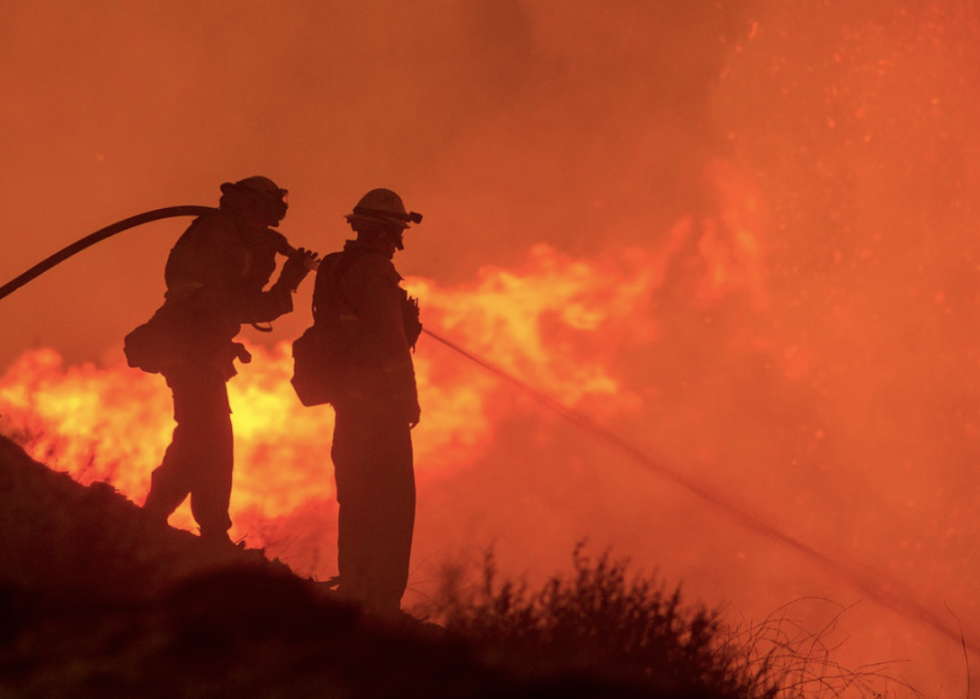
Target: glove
[297, 266]
[240, 353]
[410, 317]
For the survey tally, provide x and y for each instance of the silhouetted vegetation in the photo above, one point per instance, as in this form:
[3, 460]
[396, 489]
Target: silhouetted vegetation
[801, 661]
[97, 601]
[637, 633]
[600, 623]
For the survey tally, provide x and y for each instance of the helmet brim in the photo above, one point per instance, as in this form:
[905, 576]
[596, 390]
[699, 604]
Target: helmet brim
[386, 220]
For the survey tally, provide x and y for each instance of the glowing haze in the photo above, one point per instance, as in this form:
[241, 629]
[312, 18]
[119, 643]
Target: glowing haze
[742, 235]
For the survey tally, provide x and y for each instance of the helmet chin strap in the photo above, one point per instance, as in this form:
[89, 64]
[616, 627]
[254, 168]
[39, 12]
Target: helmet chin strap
[381, 234]
[396, 238]
[391, 240]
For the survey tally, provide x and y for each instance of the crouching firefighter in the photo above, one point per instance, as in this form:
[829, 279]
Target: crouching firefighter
[216, 276]
[358, 357]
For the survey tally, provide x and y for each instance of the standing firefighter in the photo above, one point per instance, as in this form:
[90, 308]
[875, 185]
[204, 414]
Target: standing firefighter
[371, 325]
[216, 276]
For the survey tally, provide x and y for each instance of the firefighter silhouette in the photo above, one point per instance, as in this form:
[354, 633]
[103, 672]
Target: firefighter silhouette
[216, 276]
[358, 295]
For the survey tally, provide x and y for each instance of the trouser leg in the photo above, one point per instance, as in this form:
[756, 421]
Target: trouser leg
[211, 494]
[376, 494]
[170, 482]
[200, 457]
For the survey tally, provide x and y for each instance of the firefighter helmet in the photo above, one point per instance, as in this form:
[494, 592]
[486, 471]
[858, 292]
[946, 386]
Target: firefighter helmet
[271, 198]
[384, 206]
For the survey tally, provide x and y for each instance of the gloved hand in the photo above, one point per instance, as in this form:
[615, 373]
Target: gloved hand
[240, 353]
[410, 318]
[297, 266]
[226, 361]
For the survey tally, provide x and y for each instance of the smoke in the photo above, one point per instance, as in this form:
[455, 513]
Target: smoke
[507, 123]
[776, 203]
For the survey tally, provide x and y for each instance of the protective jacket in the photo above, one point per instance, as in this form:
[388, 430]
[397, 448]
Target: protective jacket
[216, 276]
[376, 406]
[358, 295]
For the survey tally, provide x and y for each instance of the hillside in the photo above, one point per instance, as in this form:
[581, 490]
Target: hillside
[97, 601]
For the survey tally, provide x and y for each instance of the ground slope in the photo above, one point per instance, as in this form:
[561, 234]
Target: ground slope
[95, 600]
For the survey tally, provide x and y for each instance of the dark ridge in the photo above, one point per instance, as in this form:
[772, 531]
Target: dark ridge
[98, 601]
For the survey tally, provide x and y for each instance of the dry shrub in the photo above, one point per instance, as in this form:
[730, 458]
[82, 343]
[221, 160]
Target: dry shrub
[601, 622]
[783, 652]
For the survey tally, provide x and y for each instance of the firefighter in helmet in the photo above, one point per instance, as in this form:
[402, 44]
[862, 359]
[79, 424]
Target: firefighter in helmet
[358, 291]
[216, 276]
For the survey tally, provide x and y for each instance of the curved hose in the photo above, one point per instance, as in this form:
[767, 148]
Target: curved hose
[118, 227]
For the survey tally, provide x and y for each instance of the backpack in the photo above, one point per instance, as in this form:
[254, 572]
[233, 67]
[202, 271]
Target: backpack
[327, 353]
[150, 346]
[320, 354]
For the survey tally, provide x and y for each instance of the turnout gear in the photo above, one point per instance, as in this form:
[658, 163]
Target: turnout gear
[365, 325]
[358, 343]
[373, 468]
[200, 457]
[216, 276]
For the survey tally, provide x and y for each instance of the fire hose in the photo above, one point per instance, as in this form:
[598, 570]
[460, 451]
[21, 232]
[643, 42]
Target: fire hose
[885, 592]
[888, 593]
[107, 232]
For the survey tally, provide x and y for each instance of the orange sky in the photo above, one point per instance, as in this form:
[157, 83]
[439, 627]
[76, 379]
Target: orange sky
[803, 177]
